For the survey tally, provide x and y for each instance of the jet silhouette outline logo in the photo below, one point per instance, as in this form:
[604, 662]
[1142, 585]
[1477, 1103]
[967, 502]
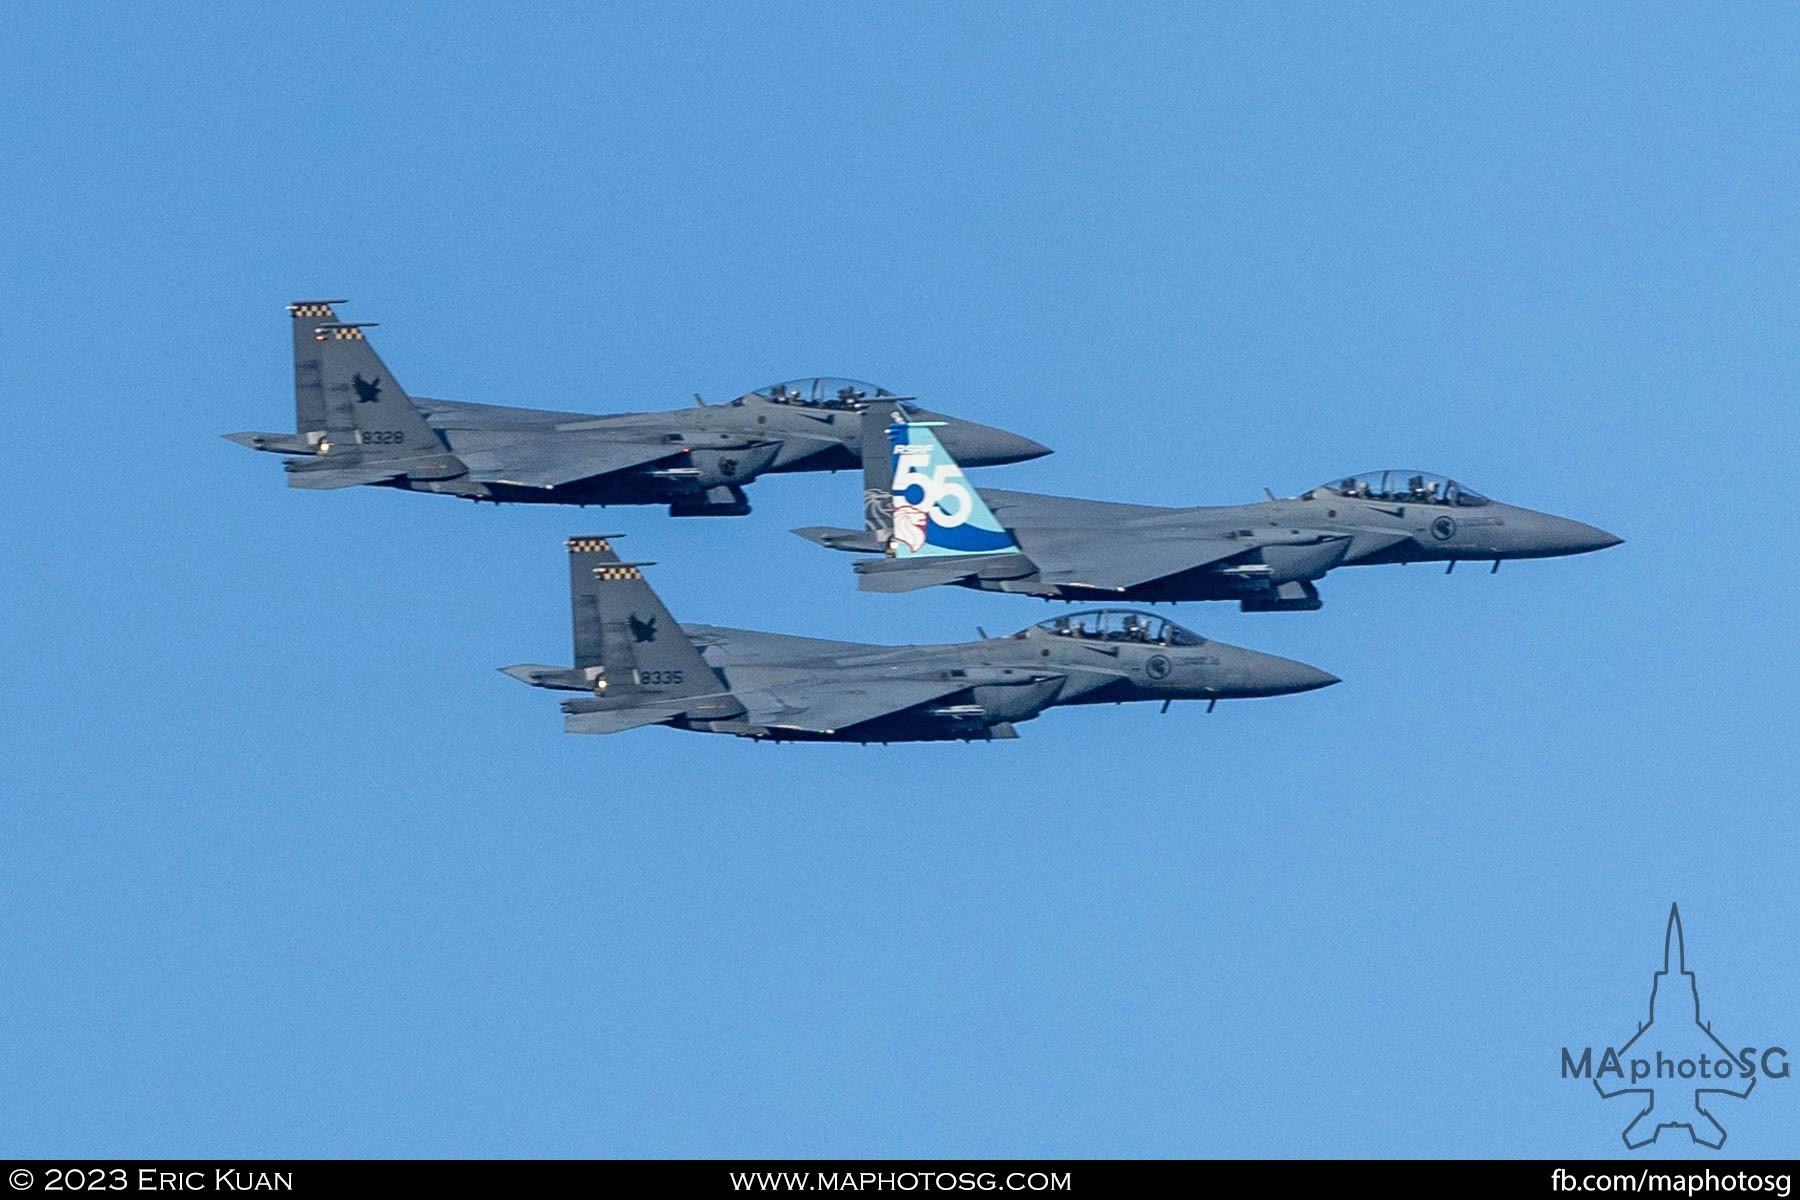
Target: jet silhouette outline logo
[1678, 991]
[642, 630]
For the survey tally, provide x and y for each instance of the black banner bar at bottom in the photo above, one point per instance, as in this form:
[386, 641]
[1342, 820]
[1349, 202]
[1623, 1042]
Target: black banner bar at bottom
[57, 1178]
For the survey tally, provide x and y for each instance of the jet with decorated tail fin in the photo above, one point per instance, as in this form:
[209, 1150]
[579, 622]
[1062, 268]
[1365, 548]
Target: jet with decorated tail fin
[355, 425]
[931, 526]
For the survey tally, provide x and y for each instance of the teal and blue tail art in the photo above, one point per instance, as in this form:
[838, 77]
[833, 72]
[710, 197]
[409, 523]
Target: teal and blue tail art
[936, 510]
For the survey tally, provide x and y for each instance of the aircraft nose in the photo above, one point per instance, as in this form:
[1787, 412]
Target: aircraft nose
[1600, 539]
[1271, 675]
[1295, 677]
[1572, 537]
[976, 445]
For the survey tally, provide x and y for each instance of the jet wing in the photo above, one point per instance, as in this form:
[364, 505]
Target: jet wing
[558, 458]
[1100, 558]
[1364, 542]
[731, 646]
[1029, 508]
[827, 706]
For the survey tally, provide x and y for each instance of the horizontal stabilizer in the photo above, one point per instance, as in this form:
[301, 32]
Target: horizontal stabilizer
[617, 720]
[275, 443]
[861, 541]
[910, 574]
[343, 477]
[599, 716]
[908, 581]
[539, 675]
[347, 469]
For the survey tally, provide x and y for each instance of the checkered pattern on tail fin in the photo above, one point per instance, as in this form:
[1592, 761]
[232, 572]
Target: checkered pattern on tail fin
[623, 635]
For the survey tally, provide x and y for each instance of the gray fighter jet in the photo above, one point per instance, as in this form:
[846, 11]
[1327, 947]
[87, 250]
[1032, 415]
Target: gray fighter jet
[635, 666]
[934, 527]
[354, 424]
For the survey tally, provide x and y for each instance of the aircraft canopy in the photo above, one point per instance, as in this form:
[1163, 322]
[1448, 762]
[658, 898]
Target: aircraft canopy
[826, 392]
[1116, 625]
[1404, 487]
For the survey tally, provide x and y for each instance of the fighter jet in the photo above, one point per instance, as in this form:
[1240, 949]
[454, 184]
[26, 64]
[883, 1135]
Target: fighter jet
[635, 666]
[354, 424]
[934, 527]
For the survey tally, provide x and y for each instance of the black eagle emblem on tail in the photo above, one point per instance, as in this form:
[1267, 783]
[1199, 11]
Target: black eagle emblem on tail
[368, 391]
[643, 631]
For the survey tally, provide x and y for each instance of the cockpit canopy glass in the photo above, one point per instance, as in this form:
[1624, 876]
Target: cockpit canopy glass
[1405, 487]
[826, 392]
[1116, 625]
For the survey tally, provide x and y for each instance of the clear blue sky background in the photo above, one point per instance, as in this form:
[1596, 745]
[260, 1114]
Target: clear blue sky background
[286, 867]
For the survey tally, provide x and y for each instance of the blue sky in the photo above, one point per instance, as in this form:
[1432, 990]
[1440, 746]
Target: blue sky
[289, 869]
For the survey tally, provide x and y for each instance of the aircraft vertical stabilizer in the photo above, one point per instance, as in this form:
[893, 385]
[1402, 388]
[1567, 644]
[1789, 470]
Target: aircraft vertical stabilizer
[309, 386]
[361, 394]
[936, 511]
[624, 638]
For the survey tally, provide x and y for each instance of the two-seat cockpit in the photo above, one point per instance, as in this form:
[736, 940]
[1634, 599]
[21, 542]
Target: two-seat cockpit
[829, 393]
[1401, 487]
[1115, 625]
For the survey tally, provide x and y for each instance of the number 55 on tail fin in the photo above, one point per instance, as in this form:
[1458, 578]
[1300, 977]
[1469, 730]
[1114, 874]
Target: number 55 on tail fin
[934, 508]
[917, 503]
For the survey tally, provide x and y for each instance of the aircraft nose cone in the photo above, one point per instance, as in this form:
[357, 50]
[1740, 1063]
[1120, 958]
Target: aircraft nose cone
[1270, 675]
[1018, 448]
[1603, 540]
[1298, 677]
[1573, 537]
[976, 445]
